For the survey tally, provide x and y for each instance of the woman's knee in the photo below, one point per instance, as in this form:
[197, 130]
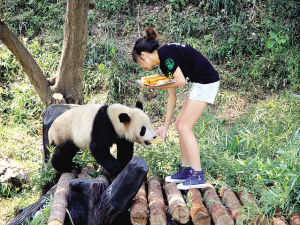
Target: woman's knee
[182, 127]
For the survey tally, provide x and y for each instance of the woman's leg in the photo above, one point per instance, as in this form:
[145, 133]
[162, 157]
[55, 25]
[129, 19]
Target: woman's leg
[187, 118]
[184, 157]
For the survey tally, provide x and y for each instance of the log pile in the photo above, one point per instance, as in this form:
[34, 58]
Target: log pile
[134, 199]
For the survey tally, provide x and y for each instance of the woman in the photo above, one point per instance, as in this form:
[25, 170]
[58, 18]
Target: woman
[182, 63]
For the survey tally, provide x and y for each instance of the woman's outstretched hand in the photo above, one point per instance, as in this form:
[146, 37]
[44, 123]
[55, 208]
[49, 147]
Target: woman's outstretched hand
[162, 131]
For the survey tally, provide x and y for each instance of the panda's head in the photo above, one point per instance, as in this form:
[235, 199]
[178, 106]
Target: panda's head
[132, 123]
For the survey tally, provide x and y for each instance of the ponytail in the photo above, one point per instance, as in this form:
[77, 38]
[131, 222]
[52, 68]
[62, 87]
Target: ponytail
[148, 43]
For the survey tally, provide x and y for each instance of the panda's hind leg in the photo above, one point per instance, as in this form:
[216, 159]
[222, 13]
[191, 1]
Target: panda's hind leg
[62, 157]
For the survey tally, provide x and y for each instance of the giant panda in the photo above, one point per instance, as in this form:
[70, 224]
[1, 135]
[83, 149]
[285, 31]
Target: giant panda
[98, 127]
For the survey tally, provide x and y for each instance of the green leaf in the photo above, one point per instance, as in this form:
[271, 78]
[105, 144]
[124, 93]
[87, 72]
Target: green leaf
[270, 44]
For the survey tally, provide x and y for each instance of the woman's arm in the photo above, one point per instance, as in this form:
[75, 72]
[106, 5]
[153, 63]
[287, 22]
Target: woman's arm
[170, 106]
[162, 131]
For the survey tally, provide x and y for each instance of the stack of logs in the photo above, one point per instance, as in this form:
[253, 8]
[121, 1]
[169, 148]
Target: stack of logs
[163, 204]
[195, 211]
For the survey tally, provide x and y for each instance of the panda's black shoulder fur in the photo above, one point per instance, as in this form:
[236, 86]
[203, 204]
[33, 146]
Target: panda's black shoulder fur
[103, 137]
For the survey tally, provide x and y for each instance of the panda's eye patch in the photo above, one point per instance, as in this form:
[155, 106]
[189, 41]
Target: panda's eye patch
[143, 131]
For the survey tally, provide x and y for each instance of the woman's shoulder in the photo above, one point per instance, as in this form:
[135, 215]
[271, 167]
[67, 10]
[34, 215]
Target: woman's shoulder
[167, 49]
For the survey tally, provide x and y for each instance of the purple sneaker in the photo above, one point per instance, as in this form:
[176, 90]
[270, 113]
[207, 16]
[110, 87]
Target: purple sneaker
[182, 174]
[195, 180]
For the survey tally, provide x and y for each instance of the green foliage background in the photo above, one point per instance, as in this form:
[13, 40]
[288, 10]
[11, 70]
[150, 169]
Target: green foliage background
[253, 44]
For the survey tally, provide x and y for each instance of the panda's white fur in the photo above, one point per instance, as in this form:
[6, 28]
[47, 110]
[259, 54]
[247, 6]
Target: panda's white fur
[76, 124]
[131, 131]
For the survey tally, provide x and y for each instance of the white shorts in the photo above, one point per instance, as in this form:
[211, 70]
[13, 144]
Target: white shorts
[204, 92]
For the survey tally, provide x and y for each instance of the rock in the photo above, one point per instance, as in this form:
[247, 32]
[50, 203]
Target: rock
[12, 172]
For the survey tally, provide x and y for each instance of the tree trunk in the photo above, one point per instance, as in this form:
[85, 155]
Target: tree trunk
[30, 67]
[68, 78]
[69, 73]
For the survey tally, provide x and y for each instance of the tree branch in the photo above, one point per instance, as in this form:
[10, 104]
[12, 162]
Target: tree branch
[30, 67]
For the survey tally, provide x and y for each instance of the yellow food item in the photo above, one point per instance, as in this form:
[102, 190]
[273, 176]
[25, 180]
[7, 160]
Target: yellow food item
[155, 80]
[158, 140]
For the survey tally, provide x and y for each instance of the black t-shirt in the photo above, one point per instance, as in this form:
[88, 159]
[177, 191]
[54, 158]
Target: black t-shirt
[192, 63]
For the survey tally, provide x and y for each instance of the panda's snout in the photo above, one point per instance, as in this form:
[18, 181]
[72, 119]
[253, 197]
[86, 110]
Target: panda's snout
[147, 142]
[150, 142]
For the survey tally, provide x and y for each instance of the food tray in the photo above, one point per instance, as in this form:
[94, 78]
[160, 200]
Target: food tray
[158, 85]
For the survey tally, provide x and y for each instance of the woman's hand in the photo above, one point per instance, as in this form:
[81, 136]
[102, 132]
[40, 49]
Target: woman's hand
[162, 131]
[143, 85]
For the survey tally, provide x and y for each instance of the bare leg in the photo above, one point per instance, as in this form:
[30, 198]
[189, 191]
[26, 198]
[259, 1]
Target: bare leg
[184, 157]
[187, 118]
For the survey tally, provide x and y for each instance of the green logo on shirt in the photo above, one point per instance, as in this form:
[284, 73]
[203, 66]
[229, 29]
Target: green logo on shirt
[169, 63]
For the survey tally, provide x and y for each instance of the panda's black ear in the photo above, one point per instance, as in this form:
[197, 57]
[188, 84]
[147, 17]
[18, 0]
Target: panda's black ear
[124, 118]
[139, 105]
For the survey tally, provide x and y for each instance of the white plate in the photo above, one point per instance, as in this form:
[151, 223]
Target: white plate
[158, 85]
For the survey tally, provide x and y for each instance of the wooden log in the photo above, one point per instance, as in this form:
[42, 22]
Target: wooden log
[119, 195]
[233, 204]
[156, 202]
[295, 219]
[80, 197]
[28, 213]
[216, 209]
[58, 98]
[170, 220]
[279, 221]
[177, 206]
[198, 212]
[59, 205]
[139, 210]
[86, 171]
[248, 201]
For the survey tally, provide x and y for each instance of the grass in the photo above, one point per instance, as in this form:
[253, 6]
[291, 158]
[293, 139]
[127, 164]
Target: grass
[250, 137]
[259, 150]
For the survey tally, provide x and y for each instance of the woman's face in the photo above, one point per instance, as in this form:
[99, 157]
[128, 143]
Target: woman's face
[145, 61]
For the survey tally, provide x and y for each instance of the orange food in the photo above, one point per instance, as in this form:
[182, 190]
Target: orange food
[155, 80]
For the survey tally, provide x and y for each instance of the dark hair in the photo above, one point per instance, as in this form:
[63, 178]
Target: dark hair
[145, 44]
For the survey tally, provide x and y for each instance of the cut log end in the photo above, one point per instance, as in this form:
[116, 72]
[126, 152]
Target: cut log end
[201, 218]
[58, 98]
[158, 220]
[55, 222]
[295, 218]
[138, 220]
[224, 219]
[278, 221]
[181, 214]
